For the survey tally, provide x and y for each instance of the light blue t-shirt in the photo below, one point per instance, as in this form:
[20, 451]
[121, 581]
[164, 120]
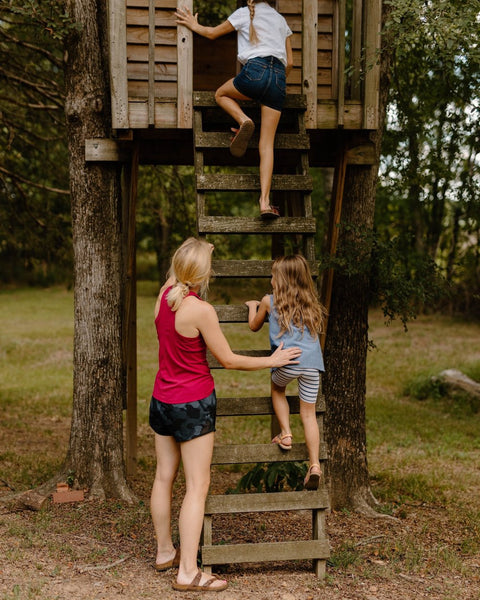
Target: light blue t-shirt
[311, 357]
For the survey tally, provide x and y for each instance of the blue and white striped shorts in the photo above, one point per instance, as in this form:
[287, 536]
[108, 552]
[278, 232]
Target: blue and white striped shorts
[308, 381]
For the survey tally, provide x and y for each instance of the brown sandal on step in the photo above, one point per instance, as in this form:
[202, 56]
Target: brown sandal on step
[195, 587]
[239, 144]
[312, 479]
[170, 564]
[279, 439]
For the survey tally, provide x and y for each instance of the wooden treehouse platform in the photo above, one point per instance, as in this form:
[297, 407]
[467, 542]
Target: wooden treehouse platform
[163, 112]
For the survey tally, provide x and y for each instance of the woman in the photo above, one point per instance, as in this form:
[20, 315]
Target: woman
[183, 407]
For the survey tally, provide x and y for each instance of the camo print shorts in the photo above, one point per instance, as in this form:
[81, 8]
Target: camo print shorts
[184, 421]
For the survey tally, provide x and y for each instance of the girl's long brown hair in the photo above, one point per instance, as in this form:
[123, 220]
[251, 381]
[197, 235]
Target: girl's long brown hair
[295, 296]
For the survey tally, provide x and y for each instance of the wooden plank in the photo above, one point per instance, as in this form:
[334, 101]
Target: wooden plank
[250, 268]
[372, 21]
[151, 64]
[118, 63]
[259, 405]
[310, 56]
[230, 454]
[163, 54]
[356, 50]
[255, 225]
[251, 182]
[244, 553]
[280, 501]
[341, 61]
[138, 17]
[218, 139]
[105, 150]
[165, 115]
[163, 36]
[361, 155]
[163, 89]
[158, 3]
[185, 73]
[327, 117]
[160, 71]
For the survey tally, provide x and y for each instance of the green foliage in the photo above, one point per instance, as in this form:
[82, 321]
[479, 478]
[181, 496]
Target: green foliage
[273, 477]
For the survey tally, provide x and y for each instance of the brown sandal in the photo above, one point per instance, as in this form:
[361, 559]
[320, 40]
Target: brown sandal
[239, 144]
[170, 564]
[312, 480]
[194, 587]
[279, 439]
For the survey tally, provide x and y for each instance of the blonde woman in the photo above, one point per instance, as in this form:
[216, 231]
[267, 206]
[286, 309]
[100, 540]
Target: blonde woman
[265, 51]
[295, 318]
[183, 407]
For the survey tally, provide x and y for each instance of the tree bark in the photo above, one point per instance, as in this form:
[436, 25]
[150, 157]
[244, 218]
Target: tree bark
[95, 454]
[346, 345]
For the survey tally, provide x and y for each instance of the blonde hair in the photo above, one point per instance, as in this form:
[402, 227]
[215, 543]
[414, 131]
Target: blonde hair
[252, 33]
[191, 267]
[295, 295]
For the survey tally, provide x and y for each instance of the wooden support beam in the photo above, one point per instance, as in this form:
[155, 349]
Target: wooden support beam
[185, 74]
[372, 24]
[105, 150]
[117, 26]
[309, 64]
[341, 62]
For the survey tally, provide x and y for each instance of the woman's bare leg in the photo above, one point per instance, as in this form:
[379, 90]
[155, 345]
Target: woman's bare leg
[268, 129]
[226, 97]
[168, 457]
[197, 458]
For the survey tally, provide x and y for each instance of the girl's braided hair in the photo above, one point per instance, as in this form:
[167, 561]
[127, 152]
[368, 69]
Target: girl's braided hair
[252, 32]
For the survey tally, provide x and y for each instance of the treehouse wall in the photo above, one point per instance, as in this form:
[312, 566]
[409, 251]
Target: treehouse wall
[155, 66]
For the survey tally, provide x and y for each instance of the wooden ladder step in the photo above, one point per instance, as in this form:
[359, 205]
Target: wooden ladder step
[283, 141]
[272, 551]
[259, 405]
[207, 100]
[242, 182]
[256, 225]
[243, 503]
[249, 268]
[229, 454]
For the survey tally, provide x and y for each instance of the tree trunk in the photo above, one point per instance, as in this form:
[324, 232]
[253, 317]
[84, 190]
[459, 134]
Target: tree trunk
[346, 346]
[95, 454]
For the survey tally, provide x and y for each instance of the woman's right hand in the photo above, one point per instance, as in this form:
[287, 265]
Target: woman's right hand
[282, 357]
[186, 18]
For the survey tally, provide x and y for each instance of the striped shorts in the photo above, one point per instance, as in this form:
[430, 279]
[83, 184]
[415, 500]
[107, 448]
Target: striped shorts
[308, 381]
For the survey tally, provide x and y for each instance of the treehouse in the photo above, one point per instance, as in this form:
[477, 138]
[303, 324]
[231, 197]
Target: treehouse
[162, 80]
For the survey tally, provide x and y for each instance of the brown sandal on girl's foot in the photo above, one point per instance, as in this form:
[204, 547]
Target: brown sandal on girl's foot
[195, 587]
[271, 212]
[312, 479]
[170, 564]
[239, 144]
[279, 439]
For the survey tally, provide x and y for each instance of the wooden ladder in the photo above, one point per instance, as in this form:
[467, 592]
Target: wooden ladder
[292, 189]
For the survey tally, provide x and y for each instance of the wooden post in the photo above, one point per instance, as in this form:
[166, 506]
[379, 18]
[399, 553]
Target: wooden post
[341, 62]
[185, 74]
[372, 24]
[309, 60]
[131, 321]
[356, 50]
[117, 25]
[151, 63]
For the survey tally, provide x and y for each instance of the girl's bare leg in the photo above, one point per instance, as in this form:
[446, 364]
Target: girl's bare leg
[168, 457]
[281, 408]
[310, 427]
[226, 97]
[268, 129]
[197, 458]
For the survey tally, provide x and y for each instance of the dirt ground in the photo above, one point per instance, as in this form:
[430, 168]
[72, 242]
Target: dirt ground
[104, 550]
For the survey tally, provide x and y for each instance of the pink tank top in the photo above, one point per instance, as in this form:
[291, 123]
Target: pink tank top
[183, 372]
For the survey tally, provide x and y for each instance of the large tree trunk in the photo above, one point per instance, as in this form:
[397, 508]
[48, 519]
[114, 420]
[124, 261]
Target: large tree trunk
[347, 338]
[95, 454]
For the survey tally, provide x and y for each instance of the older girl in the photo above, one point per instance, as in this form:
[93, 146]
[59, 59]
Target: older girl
[183, 407]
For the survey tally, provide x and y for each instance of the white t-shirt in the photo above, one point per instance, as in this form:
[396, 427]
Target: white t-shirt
[271, 28]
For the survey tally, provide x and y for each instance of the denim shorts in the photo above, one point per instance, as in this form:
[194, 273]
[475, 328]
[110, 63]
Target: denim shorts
[263, 79]
[184, 421]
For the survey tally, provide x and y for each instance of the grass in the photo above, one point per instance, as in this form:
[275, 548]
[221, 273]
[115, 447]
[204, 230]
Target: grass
[423, 446]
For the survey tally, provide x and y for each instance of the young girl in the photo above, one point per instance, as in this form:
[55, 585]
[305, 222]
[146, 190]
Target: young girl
[265, 51]
[183, 407]
[295, 318]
